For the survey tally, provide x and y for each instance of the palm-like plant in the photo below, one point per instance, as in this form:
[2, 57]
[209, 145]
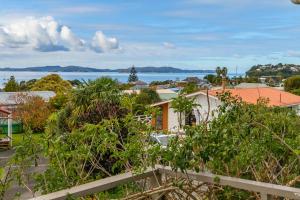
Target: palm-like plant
[222, 72]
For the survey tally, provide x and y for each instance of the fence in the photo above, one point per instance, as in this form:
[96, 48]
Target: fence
[266, 190]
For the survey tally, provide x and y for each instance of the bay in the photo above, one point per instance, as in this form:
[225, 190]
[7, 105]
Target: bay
[121, 77]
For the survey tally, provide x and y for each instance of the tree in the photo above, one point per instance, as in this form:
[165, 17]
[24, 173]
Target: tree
[222, 72]
[75, 83]
[12, 85]
[133, 75]
[247, 141]
[183, 105]
[94, 136]
[33, 112]
[147, 96]
[292, 84]
[27, 85]
[211, 78]
[189, 88]
[52, 82]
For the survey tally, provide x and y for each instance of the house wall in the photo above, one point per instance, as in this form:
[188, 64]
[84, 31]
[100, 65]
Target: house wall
[200, 112]
[165, 112]
[172, 119]
[201, 99]
[165, 116]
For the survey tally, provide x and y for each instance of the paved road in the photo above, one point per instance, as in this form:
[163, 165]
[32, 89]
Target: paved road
[15, 188]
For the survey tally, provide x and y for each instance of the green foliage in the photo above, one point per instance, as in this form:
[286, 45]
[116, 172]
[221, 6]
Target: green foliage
[283, 70]
[76, 83]
[52, 82]
[166, 82]
[132, 76]
[33, 112]
[221, 72]
[147, 96]
[183, 105]
[94, 136]
[254, 142]
[12, 85]
[27, 85]
[292, 84]
[213, 79]
[189, 88]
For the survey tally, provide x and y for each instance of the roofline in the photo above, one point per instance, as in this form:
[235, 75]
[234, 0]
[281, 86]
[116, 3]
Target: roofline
[188, 96]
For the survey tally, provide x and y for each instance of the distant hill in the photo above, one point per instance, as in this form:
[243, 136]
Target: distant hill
[89, 69]
[55, 69]
[164, 70]
[284, 70]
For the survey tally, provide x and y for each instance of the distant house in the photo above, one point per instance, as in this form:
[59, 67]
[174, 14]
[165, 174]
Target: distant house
[138, 85]
[164, 94]
[9, 100]
[250, 85]
[168, 119]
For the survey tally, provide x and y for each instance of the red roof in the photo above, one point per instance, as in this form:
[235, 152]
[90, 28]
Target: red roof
[251, 95]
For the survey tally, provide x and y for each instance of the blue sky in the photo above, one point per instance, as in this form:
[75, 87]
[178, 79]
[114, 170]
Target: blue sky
[191, 34]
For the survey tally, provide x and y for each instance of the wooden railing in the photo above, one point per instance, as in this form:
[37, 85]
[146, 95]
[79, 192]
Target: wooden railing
[266, 190]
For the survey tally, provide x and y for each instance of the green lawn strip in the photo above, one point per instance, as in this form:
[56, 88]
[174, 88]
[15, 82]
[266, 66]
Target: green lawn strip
[18, 138]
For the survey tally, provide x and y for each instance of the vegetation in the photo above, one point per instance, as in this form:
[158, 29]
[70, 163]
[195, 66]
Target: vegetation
[189, 88]
[147, 96]
[52, 82]
[166, 82]
[27, 85]
[292, 85]
[12, 85]
[132, 76]
[283, 70]
[33, 112]
[76, 83]
[96, 134]
[183, 106]
[248, 141]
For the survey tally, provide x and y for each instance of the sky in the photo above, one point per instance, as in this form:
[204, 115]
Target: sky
[189, 34]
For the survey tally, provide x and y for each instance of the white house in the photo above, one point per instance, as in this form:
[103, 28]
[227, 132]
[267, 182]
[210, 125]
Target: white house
[168, 119]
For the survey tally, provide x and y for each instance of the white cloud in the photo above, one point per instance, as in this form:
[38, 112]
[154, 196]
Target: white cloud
[85, 9]
[46, 34]
[101, 43]
[169, 45]
[292, 53]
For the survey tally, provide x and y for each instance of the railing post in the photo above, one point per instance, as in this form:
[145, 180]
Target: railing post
[156, 181]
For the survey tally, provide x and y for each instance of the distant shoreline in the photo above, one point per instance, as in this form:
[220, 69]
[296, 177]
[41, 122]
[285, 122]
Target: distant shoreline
[54, 69]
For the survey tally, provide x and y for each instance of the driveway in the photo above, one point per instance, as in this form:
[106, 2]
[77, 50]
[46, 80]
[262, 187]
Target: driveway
[15, 188]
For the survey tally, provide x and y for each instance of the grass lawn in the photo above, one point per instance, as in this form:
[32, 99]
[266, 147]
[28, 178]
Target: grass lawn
[18, 138]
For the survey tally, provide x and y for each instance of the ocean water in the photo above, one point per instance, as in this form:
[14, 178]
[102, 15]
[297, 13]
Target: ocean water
[122, 77]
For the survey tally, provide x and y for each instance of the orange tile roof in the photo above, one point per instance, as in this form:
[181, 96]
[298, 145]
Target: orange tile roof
[251, 95]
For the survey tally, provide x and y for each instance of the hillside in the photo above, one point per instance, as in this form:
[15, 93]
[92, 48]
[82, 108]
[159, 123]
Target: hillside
[89, 69]
[56, 69]
[284, 70]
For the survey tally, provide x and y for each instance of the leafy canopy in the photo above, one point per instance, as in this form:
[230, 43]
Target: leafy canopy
[133, 75]
[52, 82]
[12, 85]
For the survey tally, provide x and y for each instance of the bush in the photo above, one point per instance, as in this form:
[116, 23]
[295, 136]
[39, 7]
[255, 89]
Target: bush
[292, 83]
[33, 112]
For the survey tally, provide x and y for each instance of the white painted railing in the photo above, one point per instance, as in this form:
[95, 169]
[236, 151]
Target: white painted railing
[266, 190]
